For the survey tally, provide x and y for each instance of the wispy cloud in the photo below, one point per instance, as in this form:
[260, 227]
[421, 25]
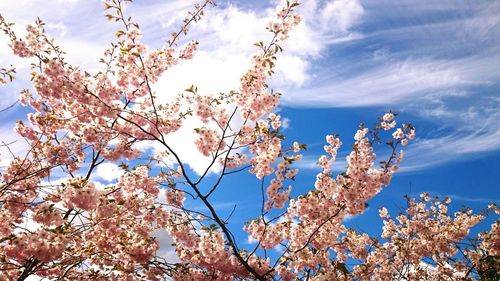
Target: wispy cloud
[461, 198]
[311, 163]
[427, 153]
[399, 81]
[438, 62]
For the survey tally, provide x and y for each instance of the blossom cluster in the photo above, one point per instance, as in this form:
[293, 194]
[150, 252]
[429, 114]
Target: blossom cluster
[253, 98]
[59, 221]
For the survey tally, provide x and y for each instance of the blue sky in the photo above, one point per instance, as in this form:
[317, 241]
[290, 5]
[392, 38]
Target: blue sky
[437, 63]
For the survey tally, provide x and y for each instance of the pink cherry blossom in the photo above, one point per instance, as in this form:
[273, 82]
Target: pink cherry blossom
[61, 221]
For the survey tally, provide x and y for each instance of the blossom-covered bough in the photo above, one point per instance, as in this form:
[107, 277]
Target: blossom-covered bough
[57, 223]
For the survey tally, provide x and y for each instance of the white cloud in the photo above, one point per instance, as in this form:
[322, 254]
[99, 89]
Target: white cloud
[223, 57]
[324, 23]
[225, 35]
[311, 163]
[427, 153]
[397, 82]
[251, 240]
[11, 143]
[285, 123]
[475, 130]
[392, 76]
[166, 250]
[341, 14]
[461, 198]
[441, 69]
[293, 69]
[108, 171]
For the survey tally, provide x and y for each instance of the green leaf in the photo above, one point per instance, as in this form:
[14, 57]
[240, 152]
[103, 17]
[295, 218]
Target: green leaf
[124, 166]
[193, 89]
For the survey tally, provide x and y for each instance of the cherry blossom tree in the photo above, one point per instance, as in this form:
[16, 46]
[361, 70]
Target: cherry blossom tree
[82, 230]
